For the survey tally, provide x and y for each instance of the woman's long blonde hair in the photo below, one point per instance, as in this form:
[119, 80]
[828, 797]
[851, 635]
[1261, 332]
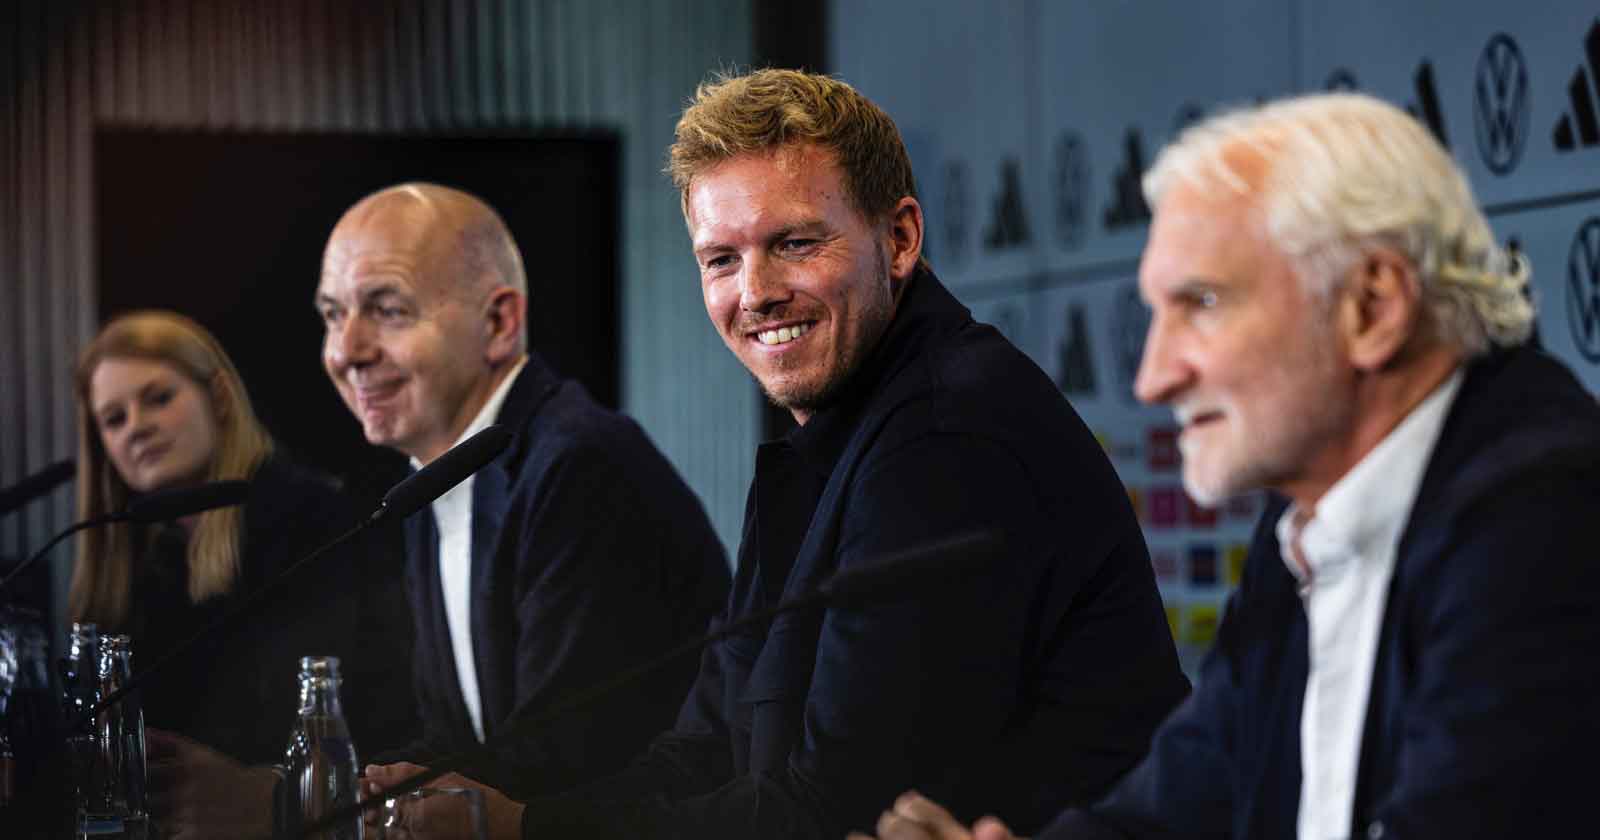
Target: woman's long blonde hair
[103, 580]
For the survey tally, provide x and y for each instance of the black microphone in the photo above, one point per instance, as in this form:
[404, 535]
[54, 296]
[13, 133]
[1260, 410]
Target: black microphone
[36, 485]
[897, 575]
[178, 502]
[159, 506]
[443, 473]
[402, 500]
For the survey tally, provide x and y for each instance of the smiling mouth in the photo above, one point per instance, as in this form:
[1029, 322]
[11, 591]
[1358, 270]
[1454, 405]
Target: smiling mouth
[369, 394]
[783, 335]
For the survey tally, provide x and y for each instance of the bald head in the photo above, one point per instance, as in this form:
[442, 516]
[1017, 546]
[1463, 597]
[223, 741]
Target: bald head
[424, 301]
[469, 249]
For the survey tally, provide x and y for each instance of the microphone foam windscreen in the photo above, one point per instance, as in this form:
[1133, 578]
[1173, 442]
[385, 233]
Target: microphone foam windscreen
[164, 505]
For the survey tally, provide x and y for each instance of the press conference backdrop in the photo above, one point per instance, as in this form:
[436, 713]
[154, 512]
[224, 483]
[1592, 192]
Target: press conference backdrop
[1030, 122]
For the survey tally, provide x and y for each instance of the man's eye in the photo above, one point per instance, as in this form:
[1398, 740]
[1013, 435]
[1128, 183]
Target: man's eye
[720, 261]
[1207, 300]
[798, 244]
[388, 313]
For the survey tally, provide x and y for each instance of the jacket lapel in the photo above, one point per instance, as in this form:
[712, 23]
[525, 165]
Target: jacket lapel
[493, 654]
[494, 632]
[422, 538]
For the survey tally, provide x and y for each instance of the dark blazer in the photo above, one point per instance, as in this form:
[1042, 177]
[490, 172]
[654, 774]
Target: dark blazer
[237, 691]
[1036, 680]
[589, 554]
[1482, 720]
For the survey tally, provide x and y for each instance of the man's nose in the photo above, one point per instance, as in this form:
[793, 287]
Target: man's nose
[762, 286]
[1162, 371]
[350, 343]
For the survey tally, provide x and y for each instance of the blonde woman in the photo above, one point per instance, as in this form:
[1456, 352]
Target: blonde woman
[160, 407]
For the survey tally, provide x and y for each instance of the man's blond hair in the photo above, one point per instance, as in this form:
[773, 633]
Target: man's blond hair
[767, 110]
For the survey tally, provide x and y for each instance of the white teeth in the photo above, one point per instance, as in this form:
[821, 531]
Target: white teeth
[782, 335]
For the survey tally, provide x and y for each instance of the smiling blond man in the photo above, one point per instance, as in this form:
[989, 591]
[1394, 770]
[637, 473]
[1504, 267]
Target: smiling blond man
[916, 424]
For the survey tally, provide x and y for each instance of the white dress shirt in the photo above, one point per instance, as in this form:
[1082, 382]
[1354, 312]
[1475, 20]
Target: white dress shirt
[1346, 556]
[453, 514]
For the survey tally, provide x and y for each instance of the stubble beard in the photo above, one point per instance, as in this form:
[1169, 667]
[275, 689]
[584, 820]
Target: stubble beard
[810, 397]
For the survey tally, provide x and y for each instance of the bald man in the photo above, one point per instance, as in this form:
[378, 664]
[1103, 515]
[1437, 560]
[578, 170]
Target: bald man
[576, 553]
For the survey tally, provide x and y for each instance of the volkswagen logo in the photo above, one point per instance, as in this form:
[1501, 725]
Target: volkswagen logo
[1500, 104]
[1583, 289]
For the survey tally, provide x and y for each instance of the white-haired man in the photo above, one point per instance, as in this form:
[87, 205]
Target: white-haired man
[1411, 651]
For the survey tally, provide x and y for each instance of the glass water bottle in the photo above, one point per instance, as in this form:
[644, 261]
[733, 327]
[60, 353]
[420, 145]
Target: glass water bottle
[80, 684]
[320, 763]
[119, 736]
[80, 670]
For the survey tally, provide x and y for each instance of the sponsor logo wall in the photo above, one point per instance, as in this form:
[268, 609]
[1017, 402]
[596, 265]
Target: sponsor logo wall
[1029, 125]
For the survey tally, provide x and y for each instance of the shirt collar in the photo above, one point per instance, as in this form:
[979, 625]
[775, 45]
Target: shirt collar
[490, 409]
[1365, 510]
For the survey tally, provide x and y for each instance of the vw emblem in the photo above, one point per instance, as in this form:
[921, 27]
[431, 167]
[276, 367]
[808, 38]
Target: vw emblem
[957, 210]
[1072, 189]
[1500, 104]
[1583, 289]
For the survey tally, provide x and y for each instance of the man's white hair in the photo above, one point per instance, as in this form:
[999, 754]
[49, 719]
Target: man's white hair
[1346, 173]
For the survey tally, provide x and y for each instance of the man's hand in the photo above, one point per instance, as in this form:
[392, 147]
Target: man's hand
[915, 817]
[440, 818]
[196, 791]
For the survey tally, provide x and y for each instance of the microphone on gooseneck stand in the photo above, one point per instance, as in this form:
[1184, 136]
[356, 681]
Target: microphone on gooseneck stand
[402, 500]
[897, 575]
[443, 473]
[36, 485]
[159, 506]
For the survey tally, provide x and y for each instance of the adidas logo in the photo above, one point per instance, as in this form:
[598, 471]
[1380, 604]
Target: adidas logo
[1426, 108]
[1008, 225]
[1581, 91]
[1127, 205]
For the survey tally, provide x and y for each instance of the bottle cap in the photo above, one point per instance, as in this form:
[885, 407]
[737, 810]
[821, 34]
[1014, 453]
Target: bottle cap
[319, 666]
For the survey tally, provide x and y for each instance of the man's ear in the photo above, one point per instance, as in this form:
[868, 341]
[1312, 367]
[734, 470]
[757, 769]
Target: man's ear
[505, 317]
[1380, 308]
[905, 238]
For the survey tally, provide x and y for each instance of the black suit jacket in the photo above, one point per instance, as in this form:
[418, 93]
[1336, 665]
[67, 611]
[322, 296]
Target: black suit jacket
[1037, 680]
[589, 555]
[1482, 719]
